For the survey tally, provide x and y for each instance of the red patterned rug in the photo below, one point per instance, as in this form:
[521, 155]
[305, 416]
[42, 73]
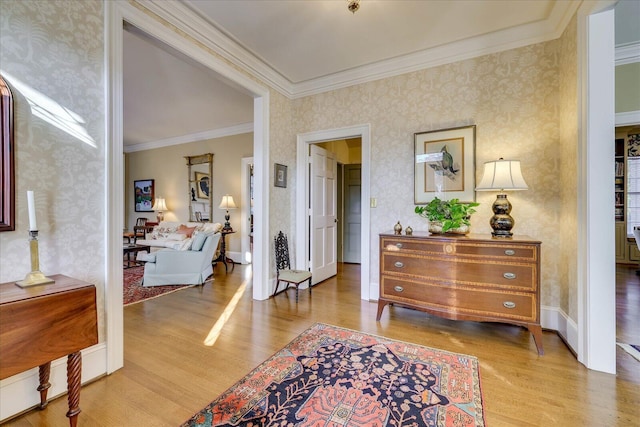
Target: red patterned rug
[330, 376]
[134, 292]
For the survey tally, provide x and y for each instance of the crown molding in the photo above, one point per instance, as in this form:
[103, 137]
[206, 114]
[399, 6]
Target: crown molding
[203, 31]
[628, 53]
[628, 118]
[194, 137]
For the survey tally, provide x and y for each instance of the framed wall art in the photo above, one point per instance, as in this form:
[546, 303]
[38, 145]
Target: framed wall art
[143, 191]
[280, 175]
[444, 165]
[203, 185]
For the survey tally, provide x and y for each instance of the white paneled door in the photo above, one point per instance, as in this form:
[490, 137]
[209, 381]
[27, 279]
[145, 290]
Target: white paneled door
[323, 214]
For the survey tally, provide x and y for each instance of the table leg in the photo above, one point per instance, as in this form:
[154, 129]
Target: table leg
[74, 368]
[43, 388]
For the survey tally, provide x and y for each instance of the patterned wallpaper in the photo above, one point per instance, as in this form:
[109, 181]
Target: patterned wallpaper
[51, 54]
[513, 99]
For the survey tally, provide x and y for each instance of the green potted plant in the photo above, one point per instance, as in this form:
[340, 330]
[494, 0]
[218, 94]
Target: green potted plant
[447, 216]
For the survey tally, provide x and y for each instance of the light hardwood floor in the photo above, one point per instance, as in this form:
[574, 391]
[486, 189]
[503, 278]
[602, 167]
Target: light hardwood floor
[170, 373]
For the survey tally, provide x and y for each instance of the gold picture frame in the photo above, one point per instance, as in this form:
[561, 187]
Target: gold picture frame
[444, 165]
[203, 185]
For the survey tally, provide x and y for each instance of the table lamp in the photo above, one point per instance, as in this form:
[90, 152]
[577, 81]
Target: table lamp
[227, 203]
[502, 175]
[160, 206]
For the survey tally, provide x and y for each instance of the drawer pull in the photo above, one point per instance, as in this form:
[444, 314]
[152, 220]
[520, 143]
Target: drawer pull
[399, 264]
[509, 275]
[509, 252]
[509, 304]
[398, 288]
[399, 245]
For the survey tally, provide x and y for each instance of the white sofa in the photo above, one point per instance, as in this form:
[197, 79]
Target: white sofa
[173, 235]
[192, 266]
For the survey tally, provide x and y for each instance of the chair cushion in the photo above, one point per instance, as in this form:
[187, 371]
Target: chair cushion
[294, 276]
[143, 256]
[198, 241]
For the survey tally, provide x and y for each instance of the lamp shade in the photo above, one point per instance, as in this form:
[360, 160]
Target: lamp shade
[159, 205]
[227, 202]
[502, 175]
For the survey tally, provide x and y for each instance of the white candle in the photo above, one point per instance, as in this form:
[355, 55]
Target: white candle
[32, 211]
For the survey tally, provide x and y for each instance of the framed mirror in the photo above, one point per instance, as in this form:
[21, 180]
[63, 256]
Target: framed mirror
[7, 171]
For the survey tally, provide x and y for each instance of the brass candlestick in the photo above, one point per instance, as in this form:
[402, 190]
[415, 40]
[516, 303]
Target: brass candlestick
[35, 277]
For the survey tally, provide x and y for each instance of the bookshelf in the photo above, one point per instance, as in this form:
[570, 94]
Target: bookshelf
[619, 180]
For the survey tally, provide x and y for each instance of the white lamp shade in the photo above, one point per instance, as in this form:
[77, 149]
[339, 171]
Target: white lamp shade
[227, 202]
[502, 175]
[159, 205]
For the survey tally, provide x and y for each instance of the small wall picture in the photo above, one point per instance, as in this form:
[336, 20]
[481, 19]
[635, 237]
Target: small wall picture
[202, 185]
[143, 191]
[280, 175]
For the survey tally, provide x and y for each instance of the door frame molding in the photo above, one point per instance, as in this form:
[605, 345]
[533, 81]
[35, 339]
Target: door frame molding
[362, 131]
[116, 13]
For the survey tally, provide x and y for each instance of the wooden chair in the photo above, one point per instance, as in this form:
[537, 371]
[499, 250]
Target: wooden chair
[140, 229]
[283, 267]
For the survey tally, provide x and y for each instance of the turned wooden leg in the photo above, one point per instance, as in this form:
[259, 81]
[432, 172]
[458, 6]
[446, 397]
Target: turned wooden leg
[74, 368]
[536, 331]
[43, 388]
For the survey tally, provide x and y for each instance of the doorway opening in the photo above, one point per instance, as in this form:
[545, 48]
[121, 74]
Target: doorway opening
[303, 193]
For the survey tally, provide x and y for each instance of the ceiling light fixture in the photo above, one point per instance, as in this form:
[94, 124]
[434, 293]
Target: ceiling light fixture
[353, 6]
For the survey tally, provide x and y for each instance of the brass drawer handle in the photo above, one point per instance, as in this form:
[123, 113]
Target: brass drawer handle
[509, 252]
[399, 245]
[509, 275]
[509, 304]
[398, 288]
[399, 264]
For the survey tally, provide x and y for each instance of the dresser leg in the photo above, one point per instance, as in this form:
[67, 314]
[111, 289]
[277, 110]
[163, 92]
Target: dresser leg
[381, 305]
[74, 368]
[536, 331]
[43, 388]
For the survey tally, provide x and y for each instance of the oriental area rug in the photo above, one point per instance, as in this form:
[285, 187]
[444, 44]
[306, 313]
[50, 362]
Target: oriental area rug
[331, 376]
[632, 349]
[134, 292]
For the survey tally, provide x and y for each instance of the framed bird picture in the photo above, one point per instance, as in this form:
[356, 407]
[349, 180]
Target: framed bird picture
[444, 165]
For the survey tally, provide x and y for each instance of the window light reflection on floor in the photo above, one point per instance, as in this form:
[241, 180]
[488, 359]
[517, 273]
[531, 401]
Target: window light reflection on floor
[215, 331]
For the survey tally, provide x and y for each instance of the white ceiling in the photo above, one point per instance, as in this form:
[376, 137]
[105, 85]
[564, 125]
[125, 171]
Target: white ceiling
[305, 47]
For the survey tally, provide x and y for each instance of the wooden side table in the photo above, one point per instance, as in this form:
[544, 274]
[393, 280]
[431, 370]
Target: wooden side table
[43, 323]
[223, 252]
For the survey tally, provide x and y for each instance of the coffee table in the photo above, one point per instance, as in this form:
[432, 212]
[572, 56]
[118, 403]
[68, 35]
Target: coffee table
[133, 248]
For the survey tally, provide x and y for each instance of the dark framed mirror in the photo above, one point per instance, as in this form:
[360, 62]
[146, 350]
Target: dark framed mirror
[7, 171]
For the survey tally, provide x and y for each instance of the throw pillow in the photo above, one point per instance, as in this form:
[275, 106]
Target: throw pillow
[198, 241]
[183, 229]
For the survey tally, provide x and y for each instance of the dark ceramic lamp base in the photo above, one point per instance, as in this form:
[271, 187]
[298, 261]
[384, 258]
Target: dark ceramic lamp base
[502, 222]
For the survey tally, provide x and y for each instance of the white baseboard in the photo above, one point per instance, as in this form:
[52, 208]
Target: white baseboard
[19, 392]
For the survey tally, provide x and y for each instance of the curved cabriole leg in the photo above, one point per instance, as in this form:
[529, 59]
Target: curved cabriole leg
[381, 305]
[43, 388]
[536, 331]
[74, 368]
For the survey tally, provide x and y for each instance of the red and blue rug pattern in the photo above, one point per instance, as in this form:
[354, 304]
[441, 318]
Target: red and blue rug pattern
[331, 376]
[133, 291]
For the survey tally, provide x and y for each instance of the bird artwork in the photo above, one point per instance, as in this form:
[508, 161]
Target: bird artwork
[446, 166]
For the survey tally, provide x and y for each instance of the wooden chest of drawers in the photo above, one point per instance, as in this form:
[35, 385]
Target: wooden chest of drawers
[472, 277]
